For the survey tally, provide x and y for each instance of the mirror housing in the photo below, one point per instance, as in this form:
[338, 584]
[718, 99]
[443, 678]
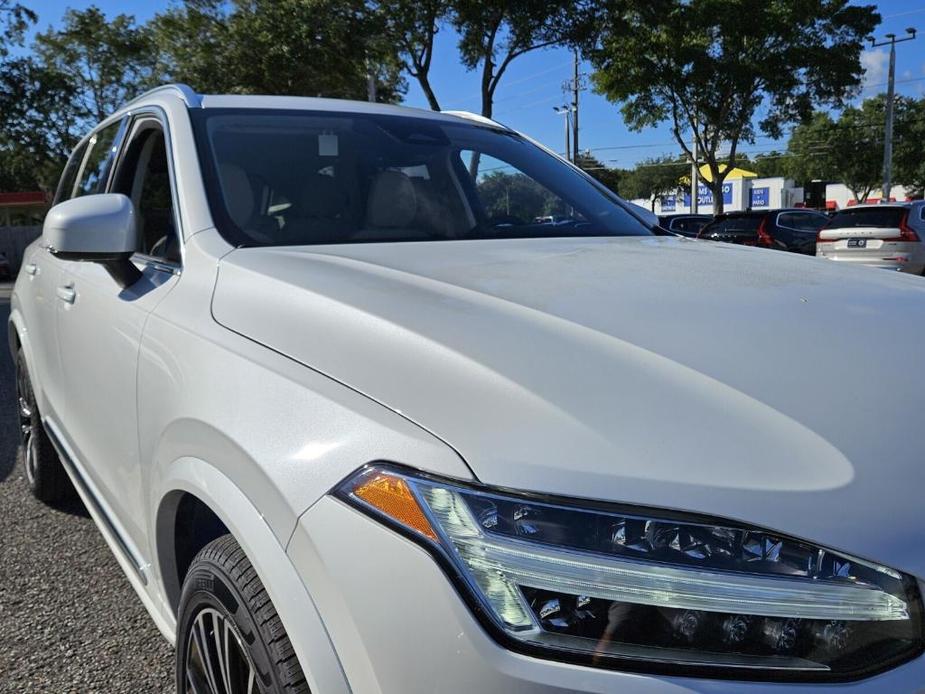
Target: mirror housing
[98, 229]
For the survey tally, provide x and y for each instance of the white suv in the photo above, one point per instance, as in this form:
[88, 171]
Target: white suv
[887, 236]
[352, 420]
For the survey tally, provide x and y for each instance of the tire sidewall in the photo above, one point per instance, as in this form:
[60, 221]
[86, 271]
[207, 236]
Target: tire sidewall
[207, 585]
[25, 390]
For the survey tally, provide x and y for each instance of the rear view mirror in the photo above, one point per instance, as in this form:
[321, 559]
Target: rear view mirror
[97, 229]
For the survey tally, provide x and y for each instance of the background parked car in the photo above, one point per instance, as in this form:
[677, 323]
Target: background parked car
[684, 224]
[787, 230]
[6, 273]
[886, 236]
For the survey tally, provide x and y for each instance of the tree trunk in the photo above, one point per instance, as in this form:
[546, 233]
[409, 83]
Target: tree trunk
[424, 81]
[716, 186]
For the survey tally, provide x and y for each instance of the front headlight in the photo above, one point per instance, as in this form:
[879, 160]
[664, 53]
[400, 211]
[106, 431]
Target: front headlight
[651, 590]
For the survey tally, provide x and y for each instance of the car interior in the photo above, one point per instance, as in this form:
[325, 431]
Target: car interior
[305, 185]
[144, 177]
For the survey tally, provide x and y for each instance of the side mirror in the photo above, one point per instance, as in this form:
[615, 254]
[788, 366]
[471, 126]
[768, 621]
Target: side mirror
[97, 229]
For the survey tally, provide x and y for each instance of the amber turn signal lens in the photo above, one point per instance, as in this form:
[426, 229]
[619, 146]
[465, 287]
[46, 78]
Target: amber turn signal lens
[393, 497]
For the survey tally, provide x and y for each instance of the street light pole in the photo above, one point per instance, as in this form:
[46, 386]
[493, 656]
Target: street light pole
[891, 41]
[567, 112]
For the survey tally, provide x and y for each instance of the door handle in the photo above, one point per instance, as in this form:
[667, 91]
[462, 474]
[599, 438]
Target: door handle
[31, 268]
[66, 294]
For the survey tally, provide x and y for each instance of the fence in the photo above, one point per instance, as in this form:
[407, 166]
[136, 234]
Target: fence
[13, 241]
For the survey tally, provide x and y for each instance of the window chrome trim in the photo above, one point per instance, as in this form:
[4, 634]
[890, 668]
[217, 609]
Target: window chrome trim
[158, 114]
[157, 263]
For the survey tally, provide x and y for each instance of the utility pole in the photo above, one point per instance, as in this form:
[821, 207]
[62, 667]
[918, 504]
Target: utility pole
[574, 85]
[370, 81]
[891, 41]
[695, 174]
[566, 111]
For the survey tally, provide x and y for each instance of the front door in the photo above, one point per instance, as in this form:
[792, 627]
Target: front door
[99, 332]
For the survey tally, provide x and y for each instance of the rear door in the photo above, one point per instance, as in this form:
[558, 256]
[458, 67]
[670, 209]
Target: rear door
[735, 228]
[797, 230]
[35, 292]
[100, 330]
[688, 226]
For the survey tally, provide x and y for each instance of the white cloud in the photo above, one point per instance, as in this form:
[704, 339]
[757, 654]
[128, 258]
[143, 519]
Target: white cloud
[876, 65]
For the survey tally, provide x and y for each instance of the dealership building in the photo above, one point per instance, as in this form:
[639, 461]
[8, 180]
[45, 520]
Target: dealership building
[744, 190]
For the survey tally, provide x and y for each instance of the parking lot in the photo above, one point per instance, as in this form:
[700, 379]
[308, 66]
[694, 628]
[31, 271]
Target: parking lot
[69, 621]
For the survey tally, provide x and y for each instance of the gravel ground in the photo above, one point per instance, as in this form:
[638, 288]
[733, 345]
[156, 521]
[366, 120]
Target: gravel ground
[70, 623]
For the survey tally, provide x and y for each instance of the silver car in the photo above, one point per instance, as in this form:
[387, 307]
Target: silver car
[887, 236]
[352, 420]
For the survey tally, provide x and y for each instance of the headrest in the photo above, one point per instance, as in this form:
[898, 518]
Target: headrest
[392, 201]
[237, 191]
[322, 198]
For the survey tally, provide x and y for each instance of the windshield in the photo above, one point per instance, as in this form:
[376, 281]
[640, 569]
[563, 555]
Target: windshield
[300, 177]
[888, 217]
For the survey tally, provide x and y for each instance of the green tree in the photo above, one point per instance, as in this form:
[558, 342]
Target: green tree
[24, 129]
[516, 195]
[192, 45]
[850, 149]
[706, 66]
[610, 177]
[15, 18]
[292, 47]
[654, 178]
[909, 139]
[768, 165]
[39, 125]
[413, 26]
[492, 34]
[108, 61]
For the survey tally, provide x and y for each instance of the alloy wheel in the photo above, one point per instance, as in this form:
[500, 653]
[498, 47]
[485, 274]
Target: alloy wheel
[216, 661]
[27, 426]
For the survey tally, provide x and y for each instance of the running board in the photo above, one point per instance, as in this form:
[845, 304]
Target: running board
[102, 517]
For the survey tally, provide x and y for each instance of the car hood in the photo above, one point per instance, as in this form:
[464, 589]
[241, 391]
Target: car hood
[756, 385]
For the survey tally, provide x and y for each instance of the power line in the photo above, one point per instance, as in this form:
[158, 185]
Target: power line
[520, 80]
[903, 14]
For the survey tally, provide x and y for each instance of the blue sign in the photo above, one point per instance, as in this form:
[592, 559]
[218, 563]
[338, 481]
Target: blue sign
[705, 195]
[669, 203]
[760, 197]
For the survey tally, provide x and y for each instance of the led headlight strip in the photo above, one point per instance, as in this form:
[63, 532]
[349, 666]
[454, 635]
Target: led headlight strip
[642, 586]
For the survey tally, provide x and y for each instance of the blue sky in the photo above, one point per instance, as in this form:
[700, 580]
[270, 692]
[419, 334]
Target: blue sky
[533, 84]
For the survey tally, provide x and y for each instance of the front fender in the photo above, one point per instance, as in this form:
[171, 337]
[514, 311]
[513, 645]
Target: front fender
[293, 603]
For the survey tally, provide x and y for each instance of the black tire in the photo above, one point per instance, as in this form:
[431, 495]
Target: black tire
[45, 474]
[222, 589]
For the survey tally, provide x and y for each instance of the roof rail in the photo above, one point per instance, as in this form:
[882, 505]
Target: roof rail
[191, 98]
[468, 115]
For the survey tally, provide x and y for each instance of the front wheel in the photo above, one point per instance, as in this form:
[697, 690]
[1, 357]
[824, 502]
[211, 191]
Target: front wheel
[230, 639]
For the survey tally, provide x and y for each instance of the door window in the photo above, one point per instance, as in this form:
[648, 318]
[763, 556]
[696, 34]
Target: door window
[69, 177]
[786, 220]
[101, 150]
[809, 221]
[144, 176]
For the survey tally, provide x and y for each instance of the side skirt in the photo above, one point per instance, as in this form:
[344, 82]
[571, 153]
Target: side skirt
[130, 560]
